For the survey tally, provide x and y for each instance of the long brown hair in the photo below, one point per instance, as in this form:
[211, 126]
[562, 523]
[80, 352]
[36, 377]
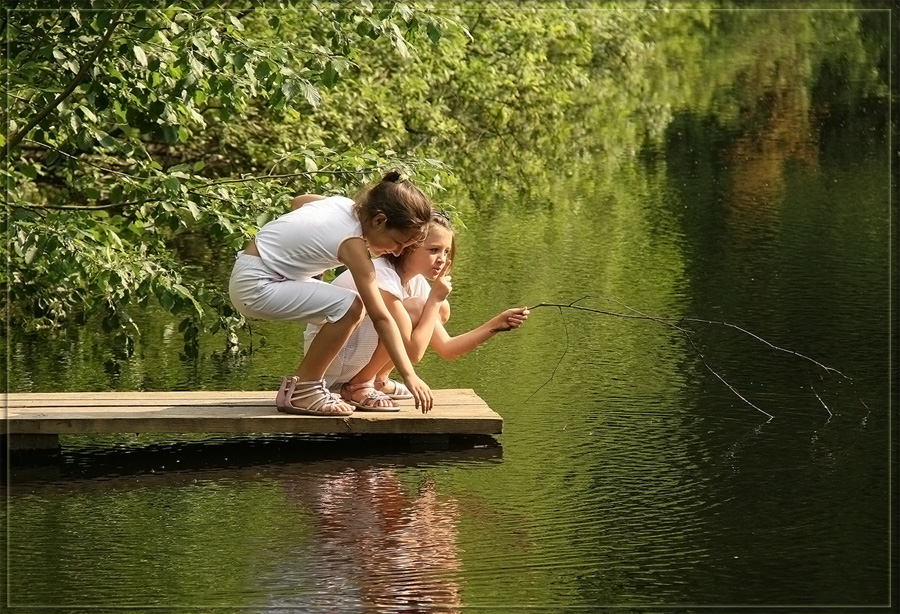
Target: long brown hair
[403, 204]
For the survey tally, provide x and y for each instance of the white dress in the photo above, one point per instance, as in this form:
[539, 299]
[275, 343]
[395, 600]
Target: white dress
[362, 343]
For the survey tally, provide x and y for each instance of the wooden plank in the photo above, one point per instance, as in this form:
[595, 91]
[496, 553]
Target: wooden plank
[197, 397]
[457, 411]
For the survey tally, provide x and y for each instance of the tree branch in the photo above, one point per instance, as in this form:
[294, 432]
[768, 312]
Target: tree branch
[82, 73]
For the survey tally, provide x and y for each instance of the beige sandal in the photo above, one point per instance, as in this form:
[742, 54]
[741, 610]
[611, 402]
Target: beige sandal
[371, 401]
[400, 391]
[323, 403]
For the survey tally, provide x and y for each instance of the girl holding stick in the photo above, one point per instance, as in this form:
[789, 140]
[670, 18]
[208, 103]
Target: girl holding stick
[362, 368]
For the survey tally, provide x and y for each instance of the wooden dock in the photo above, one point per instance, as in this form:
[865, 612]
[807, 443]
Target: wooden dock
[35, 416]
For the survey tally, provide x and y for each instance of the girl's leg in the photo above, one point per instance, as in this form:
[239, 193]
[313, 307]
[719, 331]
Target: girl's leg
[381, 363]
[328, 342]
[259, 293]
[380, 366]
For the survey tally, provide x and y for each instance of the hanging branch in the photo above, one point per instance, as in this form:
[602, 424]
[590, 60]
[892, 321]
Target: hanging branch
[559, 362]
[668, 322]
[673, 323]
[16, 138]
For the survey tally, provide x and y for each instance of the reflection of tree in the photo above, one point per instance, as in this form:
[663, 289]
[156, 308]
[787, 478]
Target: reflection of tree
[781, 130]
[378, 546]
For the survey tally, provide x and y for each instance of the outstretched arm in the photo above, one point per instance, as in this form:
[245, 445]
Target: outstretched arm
[355, 256]
[449, 347]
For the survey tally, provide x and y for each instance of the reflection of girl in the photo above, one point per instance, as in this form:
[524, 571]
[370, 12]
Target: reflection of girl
[274, 279]
[363, 367]
[397, 548]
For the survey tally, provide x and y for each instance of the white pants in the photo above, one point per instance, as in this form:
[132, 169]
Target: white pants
[258, 292]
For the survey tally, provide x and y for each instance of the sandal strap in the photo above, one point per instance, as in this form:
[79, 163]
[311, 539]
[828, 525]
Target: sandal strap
[326, 403]
[373, 396]
[399, 390]
[354, 387]
[369, 399]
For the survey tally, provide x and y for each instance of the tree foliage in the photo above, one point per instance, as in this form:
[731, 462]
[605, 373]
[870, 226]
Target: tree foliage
[131, 125]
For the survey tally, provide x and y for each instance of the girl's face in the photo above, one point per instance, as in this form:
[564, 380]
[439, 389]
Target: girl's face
[432, 255]
[383, 240]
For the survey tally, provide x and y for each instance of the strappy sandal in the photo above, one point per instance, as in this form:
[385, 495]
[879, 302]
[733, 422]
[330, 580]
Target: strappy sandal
[401, 392]
[324, 403]
[371, 401]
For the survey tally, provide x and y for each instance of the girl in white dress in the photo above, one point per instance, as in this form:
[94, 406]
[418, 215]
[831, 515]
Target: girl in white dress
[420, 311]
[274, 278]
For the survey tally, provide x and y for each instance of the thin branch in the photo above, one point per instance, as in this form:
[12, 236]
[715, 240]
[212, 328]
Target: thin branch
[78, 159]
[14, 140]
[771, 345]
[666, 322]
[269, 177]
[821, 401]
[690, 339]
[21, 205]
[565, 351]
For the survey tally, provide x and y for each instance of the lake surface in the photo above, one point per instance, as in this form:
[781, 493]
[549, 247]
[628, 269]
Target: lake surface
[646, 465]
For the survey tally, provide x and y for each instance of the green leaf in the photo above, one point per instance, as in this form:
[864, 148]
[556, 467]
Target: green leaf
[195, 211]
[140, 55]
[106, 140]
[310, 92]
[329, 76]
[290, 88]
[166, 299]
[434, 32]
[172, 185]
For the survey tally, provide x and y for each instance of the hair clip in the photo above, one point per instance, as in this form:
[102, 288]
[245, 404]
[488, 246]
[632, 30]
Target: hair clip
[442, 213]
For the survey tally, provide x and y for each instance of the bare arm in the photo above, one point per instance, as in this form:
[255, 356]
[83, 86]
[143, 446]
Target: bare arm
[430, 316]
[449, 347]
[299, 201]
[355, 256]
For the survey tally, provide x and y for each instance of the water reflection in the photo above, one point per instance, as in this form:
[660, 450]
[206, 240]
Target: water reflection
[378, 544]
[783, 132]
[321, 524]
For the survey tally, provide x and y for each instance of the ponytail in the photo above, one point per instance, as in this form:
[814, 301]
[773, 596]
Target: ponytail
[392, 176]
[403, 204]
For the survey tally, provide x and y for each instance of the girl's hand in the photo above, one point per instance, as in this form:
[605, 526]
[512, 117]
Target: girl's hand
[442, 287]
[510, 319]
[422, 394]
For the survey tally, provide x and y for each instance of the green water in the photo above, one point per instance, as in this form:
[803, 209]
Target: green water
[629, 477]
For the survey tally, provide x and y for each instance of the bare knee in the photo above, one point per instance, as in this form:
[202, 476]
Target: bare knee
[355, 314]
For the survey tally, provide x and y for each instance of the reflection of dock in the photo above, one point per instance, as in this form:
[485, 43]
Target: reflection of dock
[82, 465]
[36, 420]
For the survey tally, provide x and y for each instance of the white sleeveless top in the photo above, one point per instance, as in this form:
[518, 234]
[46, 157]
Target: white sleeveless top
[387, 279]
[304, 243]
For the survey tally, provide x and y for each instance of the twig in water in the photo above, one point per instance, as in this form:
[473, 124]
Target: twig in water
[668, 321]
[673, 323]
[821, 401]
[563, 355]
